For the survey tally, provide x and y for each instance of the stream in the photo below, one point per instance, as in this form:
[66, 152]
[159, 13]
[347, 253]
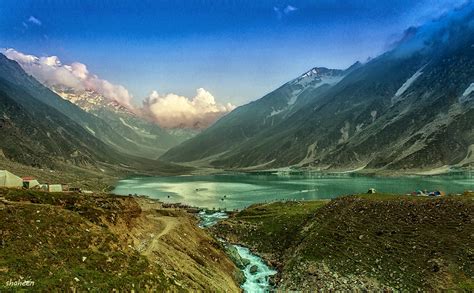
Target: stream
[257, 273]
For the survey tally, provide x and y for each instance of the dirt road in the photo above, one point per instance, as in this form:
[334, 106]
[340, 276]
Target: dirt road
[184, 251]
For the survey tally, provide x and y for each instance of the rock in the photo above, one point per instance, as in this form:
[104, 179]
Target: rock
[236, 258]
[253, 269]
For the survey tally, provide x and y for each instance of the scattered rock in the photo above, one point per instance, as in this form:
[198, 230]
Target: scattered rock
[253, 269]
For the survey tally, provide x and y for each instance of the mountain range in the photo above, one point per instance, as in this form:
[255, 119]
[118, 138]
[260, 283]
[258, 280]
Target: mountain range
[34, 132]
[149, 139]
[409, 108]
[39, 128]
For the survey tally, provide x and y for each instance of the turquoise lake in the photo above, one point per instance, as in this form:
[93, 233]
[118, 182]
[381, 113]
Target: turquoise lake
[236, 190]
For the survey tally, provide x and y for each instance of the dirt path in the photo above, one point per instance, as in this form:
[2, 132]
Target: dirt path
[168, 223]
[185, 252]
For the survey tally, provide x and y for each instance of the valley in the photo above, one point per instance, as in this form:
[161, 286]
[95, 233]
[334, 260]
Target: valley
[410, 108]
[217, 146]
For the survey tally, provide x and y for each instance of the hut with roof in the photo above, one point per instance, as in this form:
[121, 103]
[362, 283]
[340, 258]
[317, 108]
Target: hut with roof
[30, 182]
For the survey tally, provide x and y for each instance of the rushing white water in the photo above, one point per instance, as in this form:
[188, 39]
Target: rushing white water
[210, 219]
[257, 273]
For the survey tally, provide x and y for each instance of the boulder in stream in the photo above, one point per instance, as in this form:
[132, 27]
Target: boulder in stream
[253, 269]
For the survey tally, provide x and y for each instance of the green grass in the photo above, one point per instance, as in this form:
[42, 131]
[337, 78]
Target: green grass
[46, 242]
[267, 226]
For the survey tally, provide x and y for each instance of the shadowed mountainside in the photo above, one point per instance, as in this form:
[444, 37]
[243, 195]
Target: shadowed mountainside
[410, 108]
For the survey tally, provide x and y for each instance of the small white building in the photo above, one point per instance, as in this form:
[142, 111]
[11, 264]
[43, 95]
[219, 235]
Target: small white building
[55, 188]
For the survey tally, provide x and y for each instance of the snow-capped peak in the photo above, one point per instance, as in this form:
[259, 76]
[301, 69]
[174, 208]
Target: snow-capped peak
[89, 100]
[318, 75]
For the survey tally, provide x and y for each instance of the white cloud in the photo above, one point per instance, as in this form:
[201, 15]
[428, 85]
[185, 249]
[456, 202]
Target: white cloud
[289, 9]
[34, 20]
[281, 12]
[175, 111]
[50, 71]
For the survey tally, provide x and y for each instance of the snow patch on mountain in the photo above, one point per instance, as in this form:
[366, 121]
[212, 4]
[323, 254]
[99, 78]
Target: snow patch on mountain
[465, 96]
[89, 100]
[137, 130]
[90, 130]
[313, 79]
[318, 76]
[344, 132]
[407, 84]
[128, 125]
[373, 114]
[294, 97]
[276, 112]
[316, 81]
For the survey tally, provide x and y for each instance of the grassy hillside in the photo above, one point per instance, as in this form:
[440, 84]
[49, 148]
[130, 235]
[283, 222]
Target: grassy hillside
[368, 242]
[101, 242]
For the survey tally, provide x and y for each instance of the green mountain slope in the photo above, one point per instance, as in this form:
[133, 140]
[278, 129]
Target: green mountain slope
[148, 138]
[35, 134]
[12, 72]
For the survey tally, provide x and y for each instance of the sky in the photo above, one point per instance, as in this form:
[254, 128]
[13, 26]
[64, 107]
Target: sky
[234, 50]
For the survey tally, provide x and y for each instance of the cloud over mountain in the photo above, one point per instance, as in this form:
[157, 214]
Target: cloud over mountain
[170, 110]
[175, 111]
[50, 71]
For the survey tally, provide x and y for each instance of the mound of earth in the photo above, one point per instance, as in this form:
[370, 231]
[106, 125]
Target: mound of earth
[69, 241]
[366, 242]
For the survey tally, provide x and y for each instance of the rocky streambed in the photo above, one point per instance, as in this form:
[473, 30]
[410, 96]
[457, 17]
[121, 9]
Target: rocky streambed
[255, 271]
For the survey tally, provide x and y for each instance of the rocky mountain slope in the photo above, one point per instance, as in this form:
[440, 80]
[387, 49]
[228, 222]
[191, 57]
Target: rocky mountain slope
[362, 243]
[11, 72]
[149, 138]
[107, 120]
[40, 129]
[410, 108]
[36, 134]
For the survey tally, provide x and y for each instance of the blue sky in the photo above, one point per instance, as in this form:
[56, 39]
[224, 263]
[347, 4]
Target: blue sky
[237, 50]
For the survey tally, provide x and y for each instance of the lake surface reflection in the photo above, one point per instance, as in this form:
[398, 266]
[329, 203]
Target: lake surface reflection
[236, 191]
